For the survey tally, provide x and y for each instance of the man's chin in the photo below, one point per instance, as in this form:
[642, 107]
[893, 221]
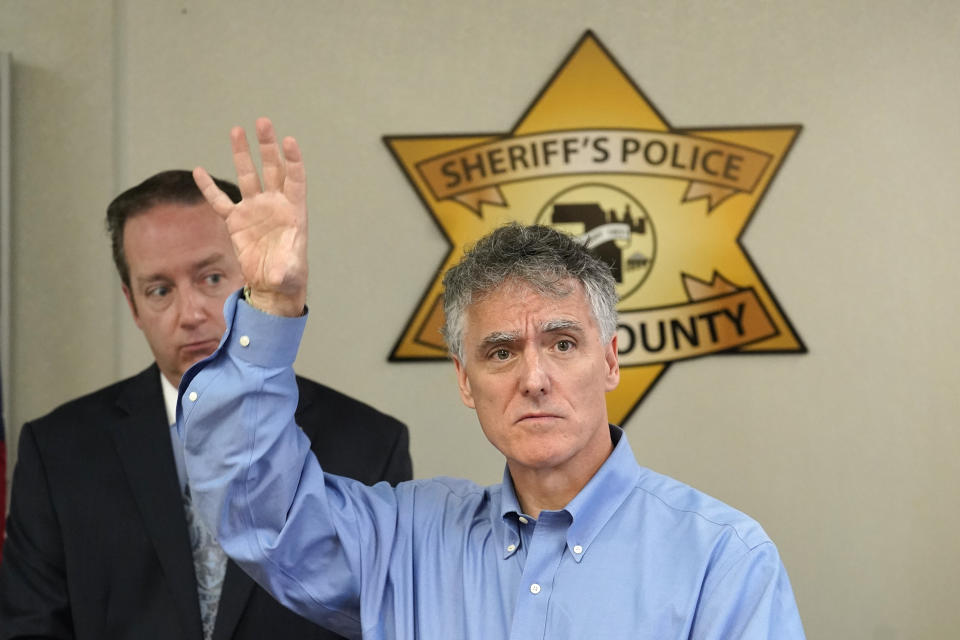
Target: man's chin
[539, 453]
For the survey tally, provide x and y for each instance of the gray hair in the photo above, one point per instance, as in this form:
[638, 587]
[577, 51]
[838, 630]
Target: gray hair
[538, 256]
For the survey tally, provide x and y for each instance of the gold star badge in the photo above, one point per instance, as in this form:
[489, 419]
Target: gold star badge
[664, 206]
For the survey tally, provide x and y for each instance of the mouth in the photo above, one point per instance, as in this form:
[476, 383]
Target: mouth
[537, 418]
[199, 349]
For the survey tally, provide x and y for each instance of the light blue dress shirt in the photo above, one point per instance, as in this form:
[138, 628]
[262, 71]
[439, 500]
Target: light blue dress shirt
[634, 555]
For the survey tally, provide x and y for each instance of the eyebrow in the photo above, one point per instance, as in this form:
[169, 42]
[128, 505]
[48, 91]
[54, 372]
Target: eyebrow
[211, 260]
[551, 326]
[499, 337]
[561, 325]
[197, 266]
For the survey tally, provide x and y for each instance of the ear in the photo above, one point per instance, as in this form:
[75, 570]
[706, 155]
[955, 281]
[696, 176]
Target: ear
[612, 364]
[132, 304]
[464, 383]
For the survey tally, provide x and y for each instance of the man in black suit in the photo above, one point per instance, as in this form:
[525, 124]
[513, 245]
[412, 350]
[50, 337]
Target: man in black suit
[101, 541]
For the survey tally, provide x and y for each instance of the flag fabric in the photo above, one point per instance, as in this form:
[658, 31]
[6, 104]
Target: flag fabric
[3, 472]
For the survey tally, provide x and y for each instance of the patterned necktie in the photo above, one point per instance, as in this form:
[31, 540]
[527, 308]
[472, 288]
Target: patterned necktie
[209, 565]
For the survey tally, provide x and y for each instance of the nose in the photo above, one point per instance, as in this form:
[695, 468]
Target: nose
[534, 379]
[193, 309]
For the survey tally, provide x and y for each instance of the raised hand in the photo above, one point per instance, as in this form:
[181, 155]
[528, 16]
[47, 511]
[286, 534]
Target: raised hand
[268, 226]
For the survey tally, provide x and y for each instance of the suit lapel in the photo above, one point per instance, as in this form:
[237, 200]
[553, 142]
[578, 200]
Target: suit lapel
[142, 439]
[143, 443]
[305, 397]
[237, 587]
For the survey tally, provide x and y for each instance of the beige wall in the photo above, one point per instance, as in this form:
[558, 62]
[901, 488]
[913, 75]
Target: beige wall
[847, 455]
[63, 303]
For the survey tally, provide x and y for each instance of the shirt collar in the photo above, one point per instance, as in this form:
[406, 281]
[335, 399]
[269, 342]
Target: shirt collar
[169, 399]
[603, 495]
[170, 405]
[590, 509]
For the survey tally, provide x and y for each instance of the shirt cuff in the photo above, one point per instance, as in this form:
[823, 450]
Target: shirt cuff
[260, 338]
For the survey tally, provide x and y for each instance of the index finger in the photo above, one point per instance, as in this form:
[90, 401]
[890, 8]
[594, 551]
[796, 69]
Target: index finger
[220, 201]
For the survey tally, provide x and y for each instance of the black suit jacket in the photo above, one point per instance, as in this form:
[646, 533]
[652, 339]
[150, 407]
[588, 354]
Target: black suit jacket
[97, 544]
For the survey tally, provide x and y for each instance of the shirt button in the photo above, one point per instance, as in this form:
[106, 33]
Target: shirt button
[523, 520]
[193, 396]
[534, 588]
[577, 549]
[511, 547]
[244, 341]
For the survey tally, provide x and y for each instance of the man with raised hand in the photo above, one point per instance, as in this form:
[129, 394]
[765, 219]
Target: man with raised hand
[578, 541]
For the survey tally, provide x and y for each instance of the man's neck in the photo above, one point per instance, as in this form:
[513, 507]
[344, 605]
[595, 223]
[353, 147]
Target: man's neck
[552, 489]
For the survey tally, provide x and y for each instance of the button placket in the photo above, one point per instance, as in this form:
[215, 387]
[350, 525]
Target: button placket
[545, 550]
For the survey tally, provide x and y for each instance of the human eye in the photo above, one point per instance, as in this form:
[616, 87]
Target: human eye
[565, 345]
[500, 354]
[212, 282]
[157, 292]
[157, 295]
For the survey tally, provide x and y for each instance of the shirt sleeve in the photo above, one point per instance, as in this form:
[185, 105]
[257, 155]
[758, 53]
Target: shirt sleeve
[305, 536]
[749, 600]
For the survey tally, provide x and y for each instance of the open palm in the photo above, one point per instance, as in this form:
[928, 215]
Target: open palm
[268, 227]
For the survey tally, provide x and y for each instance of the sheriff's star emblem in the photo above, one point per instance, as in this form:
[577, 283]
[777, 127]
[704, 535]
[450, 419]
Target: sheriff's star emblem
[664, 206]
